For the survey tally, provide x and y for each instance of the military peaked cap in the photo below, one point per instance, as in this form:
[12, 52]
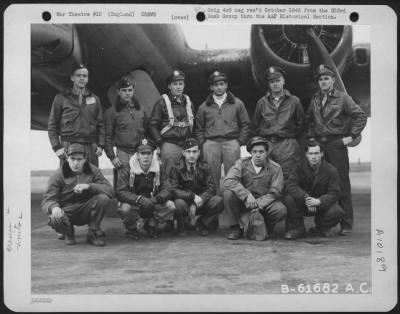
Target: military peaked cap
[274, 72]
[257, 140]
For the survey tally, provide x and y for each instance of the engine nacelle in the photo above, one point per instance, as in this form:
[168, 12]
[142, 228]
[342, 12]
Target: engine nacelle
[288, 47]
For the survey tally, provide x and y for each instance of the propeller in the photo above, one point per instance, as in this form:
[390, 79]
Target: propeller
[299, 49]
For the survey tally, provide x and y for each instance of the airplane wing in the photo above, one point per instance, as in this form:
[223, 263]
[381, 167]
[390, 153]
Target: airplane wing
[148, 52]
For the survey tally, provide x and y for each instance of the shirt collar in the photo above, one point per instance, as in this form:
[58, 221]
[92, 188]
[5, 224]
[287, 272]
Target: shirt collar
[76, 91]
[190, 165]
[220, 98]
[130, 105]
[256, 167]
[176, 98]
[331, 93]
[285, 93]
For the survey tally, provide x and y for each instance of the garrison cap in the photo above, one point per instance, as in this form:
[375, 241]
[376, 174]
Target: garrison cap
[145, 145]
[217, 76]
[274, 72]
[189, 143]
[176, 75]
[125, 82]
[78, 66]
[75, 148]
[323, 69]
[257, 140]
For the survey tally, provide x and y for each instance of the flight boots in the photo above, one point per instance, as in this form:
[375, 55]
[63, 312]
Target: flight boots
[70, 235]
[93, 239]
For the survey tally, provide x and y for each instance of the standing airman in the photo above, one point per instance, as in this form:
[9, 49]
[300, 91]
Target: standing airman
[335, 120]
[76, 116]
[126, 124]
[279, 117]
[172, 120]
[222, 126]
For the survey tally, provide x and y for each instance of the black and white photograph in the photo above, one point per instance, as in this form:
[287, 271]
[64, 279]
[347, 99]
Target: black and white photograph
[186, 161]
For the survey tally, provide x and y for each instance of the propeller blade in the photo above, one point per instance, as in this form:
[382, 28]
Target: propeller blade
[304, 58]
[318, 54]
[292, 50]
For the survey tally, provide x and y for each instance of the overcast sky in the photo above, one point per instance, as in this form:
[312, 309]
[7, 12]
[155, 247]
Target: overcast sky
[198, 37]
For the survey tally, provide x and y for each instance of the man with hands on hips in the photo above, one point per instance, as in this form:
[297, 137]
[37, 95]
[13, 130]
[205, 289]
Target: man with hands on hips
[335, 120]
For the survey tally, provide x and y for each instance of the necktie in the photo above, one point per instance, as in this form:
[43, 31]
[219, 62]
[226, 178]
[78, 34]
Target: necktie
[192, 170]
[324, 99]
[80, 97]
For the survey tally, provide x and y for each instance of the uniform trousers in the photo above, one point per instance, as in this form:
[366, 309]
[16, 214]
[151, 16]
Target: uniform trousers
[286, 154]
[160, 213]
[273, 213]
[124, 157]
[89, 213]
[217, 152]
[337, 154]
[325, 218]
[208, 212]
[170, 154]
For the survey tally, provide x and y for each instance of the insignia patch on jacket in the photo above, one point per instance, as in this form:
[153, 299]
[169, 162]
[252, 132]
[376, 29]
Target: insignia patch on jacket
[90, 100]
